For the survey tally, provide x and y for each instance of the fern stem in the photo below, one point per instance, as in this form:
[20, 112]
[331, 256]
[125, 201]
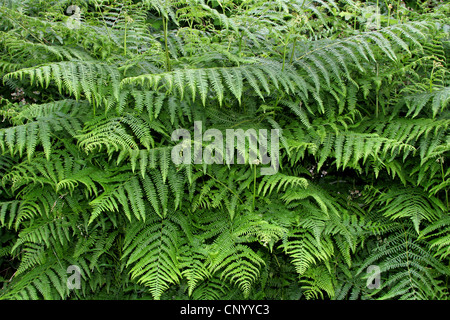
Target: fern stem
[441, 160]
[286, 49]
[125, 40]
[254, 186]
[378, 15]
[276, 259]
[389, 12]
[376, 97]
[166, 47]
[103, 18]
[240, 45]
[225, 187]
[57, 258]
[293, 50]
[431, 78]
[23, 26]
[407, 258]
[284, 55]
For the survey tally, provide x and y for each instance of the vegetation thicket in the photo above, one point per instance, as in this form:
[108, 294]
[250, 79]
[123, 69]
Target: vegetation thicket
[91, 91]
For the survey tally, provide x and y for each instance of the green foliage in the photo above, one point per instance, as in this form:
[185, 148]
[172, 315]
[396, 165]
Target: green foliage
[89, 100]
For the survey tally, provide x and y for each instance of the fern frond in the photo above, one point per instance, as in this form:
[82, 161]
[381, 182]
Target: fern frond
[411, 203]
[316, 281]
[438, 235]
[151, 250]
[305, 251]
[26, 137]
[268, 183]
[76, 77]
[217, 79]
[8, 212]
[409, 265]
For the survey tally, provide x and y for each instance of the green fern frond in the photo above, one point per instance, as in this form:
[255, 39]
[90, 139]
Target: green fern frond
[305, 251]
[151, 250]
[26, 137]
[61, 172]
[409, 265]
[217, 79]
[268, 183]
[438, 235]
[77, 78]
[8, 212]
[411, 203]
[316, 281]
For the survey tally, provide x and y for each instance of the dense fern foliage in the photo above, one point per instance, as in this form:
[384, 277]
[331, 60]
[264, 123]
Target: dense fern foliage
[91, 91]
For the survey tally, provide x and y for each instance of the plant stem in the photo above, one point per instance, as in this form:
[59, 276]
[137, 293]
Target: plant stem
[165, 25]
[377, 15]
[293, 50]
[441, 160]
[389, 12]
[125, 40]
[376, 98]
[431, 78]
[254, 186]
[240, 45]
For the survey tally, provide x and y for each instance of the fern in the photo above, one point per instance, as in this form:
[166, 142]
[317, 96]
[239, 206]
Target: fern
[305, 251]
[26, 137]
[151, 249]
[42, 282]
[438, 233]
[218, 79]
[77, 78]
[411, 203]
[87, 112]
[315, 281]
[408, 263]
